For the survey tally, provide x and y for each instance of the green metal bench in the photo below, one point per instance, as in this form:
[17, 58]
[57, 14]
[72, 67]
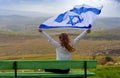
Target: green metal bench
[11, 68]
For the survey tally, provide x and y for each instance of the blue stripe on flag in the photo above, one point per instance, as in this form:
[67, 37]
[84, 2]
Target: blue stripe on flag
[83, 10]
[47, 27]
[60, 17]
[78, 11]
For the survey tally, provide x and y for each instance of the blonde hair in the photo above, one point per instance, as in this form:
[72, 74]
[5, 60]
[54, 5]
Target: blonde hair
[65, 42]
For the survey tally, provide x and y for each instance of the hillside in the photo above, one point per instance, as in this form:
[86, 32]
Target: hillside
[32, 45]
[109, 34]
[106, 23]
[19, 37]
[7, 37]
[25, 24]
[22, 24]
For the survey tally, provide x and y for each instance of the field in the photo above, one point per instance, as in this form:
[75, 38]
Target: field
[21, 45]
[107, 72]
[15, 46]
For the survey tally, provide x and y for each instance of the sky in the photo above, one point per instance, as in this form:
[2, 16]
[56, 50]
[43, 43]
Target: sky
[111, 8]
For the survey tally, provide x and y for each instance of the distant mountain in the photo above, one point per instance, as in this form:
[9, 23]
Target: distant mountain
[14, 19]
[19, 19]
[109, 34]
[106, 23]
[19, 23]
[22, 13]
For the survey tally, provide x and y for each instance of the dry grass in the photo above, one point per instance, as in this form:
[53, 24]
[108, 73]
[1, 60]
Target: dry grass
[39, 48]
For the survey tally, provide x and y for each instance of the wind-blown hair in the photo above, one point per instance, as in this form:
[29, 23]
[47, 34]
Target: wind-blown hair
[65, 42]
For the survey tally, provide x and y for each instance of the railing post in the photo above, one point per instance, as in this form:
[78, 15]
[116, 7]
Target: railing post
[15, 68]
[85, 69]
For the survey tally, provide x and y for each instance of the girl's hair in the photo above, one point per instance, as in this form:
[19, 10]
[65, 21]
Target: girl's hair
[65, 42]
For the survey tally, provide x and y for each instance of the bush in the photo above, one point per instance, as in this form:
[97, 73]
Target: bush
[105, 59]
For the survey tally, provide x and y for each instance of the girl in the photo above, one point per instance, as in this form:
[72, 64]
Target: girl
[64, 47]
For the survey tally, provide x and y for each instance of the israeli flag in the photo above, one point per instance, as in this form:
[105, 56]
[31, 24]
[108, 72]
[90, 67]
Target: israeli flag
[81, 16]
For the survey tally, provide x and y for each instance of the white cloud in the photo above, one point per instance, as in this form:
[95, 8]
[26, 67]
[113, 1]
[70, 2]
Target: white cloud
[110, 7]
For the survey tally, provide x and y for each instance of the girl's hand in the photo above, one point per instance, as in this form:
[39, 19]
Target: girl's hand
[89, 30]
[40, 30]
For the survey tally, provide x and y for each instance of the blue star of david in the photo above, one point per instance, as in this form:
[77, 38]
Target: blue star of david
[71, 18]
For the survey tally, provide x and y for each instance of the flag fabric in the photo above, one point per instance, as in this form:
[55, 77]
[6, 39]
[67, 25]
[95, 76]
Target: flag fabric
[81, 16]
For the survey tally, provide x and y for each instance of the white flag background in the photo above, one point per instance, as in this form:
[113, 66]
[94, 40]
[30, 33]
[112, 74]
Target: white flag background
[81, 16]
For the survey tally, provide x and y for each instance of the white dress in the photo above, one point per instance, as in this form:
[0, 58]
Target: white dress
[61, 52]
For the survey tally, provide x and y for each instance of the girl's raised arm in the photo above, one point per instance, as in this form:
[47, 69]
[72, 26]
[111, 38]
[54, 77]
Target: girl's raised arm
[50, 39]
[80, 36]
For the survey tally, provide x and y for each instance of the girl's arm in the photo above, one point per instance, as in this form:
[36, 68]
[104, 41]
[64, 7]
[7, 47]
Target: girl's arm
[80, 36]
[50, 39]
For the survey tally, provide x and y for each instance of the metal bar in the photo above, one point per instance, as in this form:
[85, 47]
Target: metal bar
[15, 68]
[85, 69]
